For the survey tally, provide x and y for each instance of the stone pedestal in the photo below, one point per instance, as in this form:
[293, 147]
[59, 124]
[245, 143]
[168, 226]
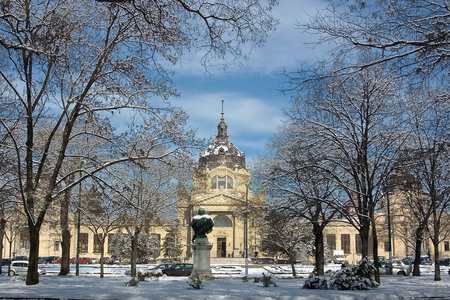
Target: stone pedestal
[202, 249]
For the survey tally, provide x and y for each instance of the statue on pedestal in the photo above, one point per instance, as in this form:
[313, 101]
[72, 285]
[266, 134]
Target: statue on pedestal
[202, 224]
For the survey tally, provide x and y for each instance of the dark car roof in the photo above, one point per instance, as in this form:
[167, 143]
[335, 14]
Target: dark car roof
[180, 264]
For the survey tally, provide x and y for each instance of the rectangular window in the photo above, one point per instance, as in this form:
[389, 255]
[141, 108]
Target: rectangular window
[358, 244]
[229, 182]
[221, 182]
[446, 245]
[345, 243]
[97, 242]
[24, 239]
[110, 238]
[56, 246]
[84, 242]
[386, 246]
[331, 241]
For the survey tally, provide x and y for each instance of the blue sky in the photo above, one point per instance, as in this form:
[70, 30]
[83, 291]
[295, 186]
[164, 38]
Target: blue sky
[250, 89]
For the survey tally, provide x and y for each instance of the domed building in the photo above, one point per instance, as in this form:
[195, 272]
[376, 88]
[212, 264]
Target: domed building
[222, 184]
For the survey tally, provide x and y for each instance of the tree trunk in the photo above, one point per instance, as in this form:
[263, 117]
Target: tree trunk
[364, 235]
[134, 242]
[65, 255]
[32, 275]
[2, 233]
[375, 246]
[318, 248]
[418, 251]
[292, 261]
[437, 271]
[65, 232]
[10, 251]
[435, 236]
[102, 254]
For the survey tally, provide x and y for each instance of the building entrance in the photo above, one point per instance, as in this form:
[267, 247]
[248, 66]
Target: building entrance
[222, 247]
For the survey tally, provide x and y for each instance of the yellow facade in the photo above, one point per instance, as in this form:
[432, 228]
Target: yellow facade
[227, 207]
[16, 242]
[341, 235]
[222, 184]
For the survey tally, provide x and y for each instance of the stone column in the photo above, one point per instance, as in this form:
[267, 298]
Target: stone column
[202, 260]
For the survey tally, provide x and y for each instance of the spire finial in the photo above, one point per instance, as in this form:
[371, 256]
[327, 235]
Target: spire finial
[222, 128]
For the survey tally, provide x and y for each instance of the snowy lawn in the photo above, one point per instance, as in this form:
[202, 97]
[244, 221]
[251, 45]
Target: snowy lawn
[226, 287]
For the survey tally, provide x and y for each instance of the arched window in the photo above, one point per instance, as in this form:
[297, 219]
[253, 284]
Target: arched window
[222, 182]
[222, 221]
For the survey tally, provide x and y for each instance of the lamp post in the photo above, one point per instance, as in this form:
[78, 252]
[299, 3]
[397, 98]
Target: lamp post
[246, 228]
[77, 266]
[389, 224]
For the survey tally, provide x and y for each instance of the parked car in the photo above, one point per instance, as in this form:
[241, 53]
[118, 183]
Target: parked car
[408, 260]
[154, 270]
[5, 261]
[20, 267]
[445, 261]
[20, 258]
[50, 259]
[397, 267]
[93, 260]
[47, 259]
[425, 260]
[82, 260]
[162, 266]
[263, 260]
[179, 270]
[108, 261]
[57, 260]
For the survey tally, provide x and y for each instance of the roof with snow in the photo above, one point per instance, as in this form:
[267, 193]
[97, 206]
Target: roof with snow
[222, 151]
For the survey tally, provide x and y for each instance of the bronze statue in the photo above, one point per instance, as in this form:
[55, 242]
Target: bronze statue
[202, 224]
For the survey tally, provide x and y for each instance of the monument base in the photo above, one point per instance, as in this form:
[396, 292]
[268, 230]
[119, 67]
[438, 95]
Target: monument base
[202, 249]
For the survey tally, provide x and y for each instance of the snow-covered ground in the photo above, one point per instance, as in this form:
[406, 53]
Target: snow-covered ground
[225, 286]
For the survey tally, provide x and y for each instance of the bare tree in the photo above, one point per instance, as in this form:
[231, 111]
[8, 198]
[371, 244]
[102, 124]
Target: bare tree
[8, 179]
[417, 210]
[412, 35]
[285, 235]
[147, 198]
[357, 119]
[8, 201]
[14, 224]
[65, 231]
[148, 245]
[101, 214]
[427, 154]
[70, 61]
[295, 174]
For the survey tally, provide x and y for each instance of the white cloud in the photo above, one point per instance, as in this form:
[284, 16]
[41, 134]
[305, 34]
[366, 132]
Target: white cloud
[250, 120]
[252, 108]
[283, 49]
[243, 114]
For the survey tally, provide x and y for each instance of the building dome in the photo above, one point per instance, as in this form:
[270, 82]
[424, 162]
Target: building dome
[222, 151]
